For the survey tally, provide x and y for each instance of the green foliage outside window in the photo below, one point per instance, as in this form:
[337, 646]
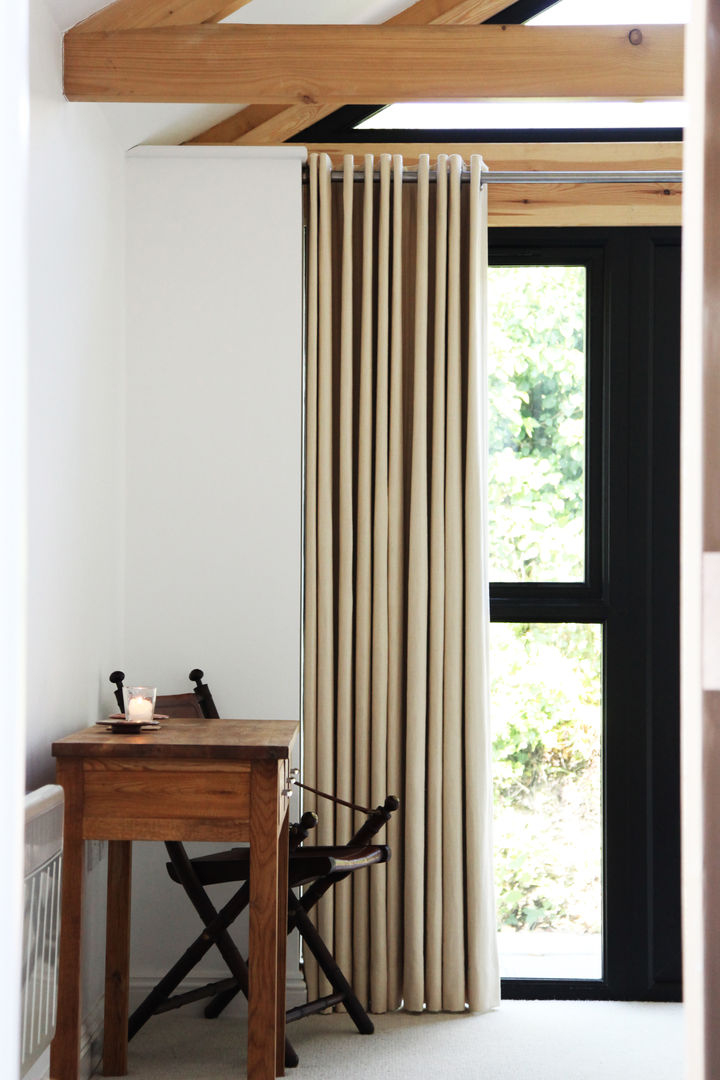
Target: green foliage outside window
[546, 678]
[537, 423]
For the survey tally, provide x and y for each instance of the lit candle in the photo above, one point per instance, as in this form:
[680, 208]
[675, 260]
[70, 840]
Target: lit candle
[140, 709]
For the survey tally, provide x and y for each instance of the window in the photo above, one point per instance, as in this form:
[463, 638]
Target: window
[524, 121]
[494, 116]
[583, 463]
[547, 678]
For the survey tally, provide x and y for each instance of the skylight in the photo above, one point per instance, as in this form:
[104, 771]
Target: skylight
[613, 13]
[551, 115]
[528, 115]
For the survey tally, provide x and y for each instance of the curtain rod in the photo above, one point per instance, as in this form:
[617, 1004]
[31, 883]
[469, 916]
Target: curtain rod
[598, 176]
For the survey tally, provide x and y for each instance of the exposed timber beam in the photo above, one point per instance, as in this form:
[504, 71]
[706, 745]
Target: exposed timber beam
[581, 205]
[447, 13]
[139, 14]
[267, 125]
[521, 156]
[262, 125]
[556, 205]
[355, 64]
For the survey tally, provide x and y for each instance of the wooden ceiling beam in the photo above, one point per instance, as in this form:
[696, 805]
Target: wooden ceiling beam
[584, 205]
[267, 125]
[320, 65]
[447, 13]
[140, 14]
[523, 156]
[555, 205]
[262, 125]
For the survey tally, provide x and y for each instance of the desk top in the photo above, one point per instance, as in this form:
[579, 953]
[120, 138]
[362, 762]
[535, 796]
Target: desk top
[237, 740]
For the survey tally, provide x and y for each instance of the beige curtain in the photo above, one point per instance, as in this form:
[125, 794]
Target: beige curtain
[396, 589]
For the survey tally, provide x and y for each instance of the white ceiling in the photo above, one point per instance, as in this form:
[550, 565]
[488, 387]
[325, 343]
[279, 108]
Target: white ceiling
[147, 123]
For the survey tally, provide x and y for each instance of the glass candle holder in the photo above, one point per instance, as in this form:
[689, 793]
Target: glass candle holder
[139, 703]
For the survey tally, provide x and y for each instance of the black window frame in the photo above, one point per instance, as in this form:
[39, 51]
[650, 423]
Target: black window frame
[631, 590]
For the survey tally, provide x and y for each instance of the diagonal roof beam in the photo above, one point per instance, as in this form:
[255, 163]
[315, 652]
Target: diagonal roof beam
[271, 124]
[140, 14]
[357, 64]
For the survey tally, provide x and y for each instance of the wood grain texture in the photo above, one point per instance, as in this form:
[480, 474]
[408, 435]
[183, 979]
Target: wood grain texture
[185, 769]
[235, 740]
[138, 14]
[447, 12]
[522, 156]
[319, 65]
[556, 205]
[711, 327]
[117, 957]
[159, 828]
[114, 790]
[65, 1049]
[167, 795]
[262, 125]
[256, 125]
[265, 916]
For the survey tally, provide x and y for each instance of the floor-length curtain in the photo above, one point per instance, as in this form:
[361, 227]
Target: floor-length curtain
[396, 589]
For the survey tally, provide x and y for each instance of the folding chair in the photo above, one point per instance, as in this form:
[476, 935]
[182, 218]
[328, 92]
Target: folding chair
[317, 868]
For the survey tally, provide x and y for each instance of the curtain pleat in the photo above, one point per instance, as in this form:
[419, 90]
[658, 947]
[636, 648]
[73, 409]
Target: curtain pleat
[377, 749]
[434, 843]
[417, 646]
[325, 728]
[363, 624]
[396, 608]
[346, 585]
[311, 649]
[395, 783]
[483, 980]
[453, 990]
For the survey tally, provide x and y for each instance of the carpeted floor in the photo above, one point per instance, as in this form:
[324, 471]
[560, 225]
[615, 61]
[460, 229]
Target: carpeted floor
[523, 1040]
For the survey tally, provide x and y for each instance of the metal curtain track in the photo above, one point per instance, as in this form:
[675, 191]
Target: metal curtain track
[597, 176]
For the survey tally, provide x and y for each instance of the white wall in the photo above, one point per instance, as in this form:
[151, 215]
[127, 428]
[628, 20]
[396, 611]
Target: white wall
[75, 422]
[214, 393]
[76, 388]
[13, 363]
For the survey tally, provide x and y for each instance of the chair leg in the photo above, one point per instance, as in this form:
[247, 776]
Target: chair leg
[206, 910]
[326, 960]
[192, 955]
[219, 1002]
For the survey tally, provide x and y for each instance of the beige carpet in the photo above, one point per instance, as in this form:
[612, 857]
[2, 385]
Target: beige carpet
[534, 1040]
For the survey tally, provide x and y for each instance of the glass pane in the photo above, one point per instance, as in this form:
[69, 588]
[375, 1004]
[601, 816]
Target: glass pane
[537, 392]
[525, 115]
[546, 710]
[613, 13]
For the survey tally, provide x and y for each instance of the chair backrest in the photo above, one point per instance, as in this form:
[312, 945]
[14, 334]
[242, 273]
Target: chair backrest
[179, 705]
[198, 702]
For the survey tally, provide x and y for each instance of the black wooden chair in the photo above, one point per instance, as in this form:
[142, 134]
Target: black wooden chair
[196, 702]
[317, 869]
[313, 869]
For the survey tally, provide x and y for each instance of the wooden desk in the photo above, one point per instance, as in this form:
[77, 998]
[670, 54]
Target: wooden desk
[192, 780]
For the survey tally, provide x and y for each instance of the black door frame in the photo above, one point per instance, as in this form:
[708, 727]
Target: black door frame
[632, 589]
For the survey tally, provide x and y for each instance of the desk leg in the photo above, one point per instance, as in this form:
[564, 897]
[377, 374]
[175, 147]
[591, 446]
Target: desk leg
[117, 958]
[282, 878]
[65, 1051]
[263, 961]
